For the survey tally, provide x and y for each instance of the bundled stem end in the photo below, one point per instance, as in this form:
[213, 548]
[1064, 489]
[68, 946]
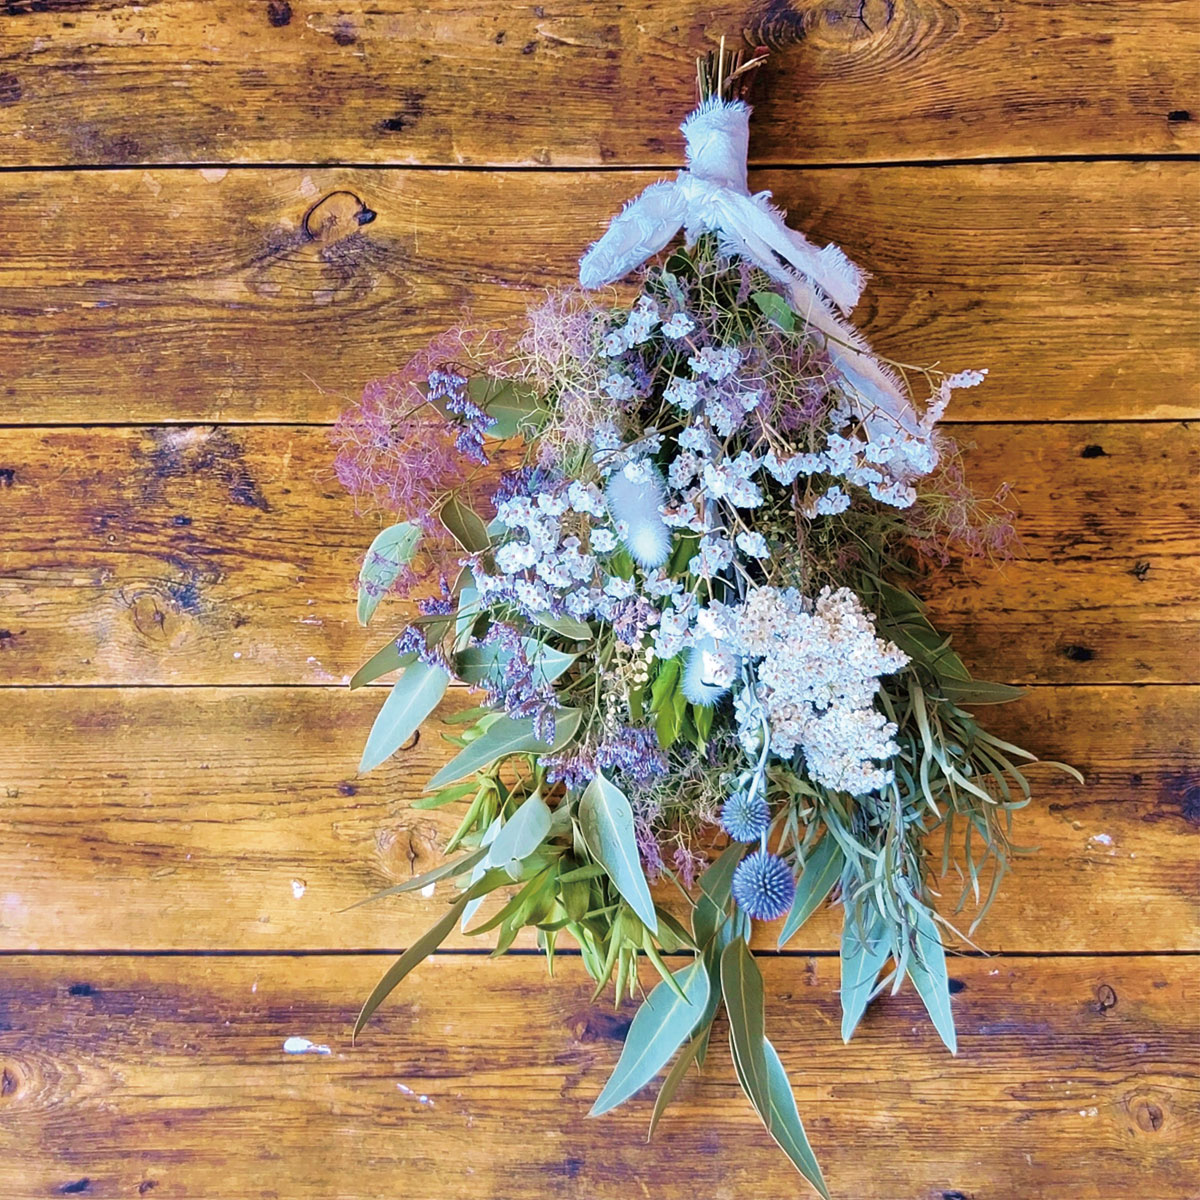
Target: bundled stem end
[726, 74]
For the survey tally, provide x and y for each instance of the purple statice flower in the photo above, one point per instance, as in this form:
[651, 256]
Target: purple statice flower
[526, 481]
[632, 751]
[575, 770]
[413, 641]
[688, 864]
[450, 388]
[630, 619]
[518, 686]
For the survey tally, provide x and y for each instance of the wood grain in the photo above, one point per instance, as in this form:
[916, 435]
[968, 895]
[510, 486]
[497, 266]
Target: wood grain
[168, 1077]
[447, 82]
[253, 295]
[217, 818]
[211, 555]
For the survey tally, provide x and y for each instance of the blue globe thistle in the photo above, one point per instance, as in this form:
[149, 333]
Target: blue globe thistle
[745, 817]
[763, 886]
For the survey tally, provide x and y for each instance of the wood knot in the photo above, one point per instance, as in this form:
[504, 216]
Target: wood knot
[408, 850]
[10, 1083]
[1149, 1116]
[848, 24]
[1106, 998]
[336, 217]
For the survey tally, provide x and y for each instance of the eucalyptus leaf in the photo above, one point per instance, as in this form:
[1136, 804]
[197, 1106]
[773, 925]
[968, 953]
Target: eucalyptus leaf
[385, 660]
[413, 697]
[782, 1119]
[465, 525]
[715, 885]
[674, 1078]
[863, 955]
[742, 989]
[658, 1029]
[927, 970]
[514, 409]
[521, 834]
[457, 866]
[980, 691]
[606, 820]
[478, 663]
[503, 737]
[388, 555]
[822, 869]
[569, 627]
[420, 950]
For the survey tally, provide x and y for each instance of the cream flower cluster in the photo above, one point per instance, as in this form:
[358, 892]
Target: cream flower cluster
[818, 665]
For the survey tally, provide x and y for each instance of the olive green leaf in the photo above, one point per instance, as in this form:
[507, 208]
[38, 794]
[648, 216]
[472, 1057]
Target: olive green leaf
[413, 697]
[477, 663]
[606, 821]
[569, 627]
[503, 737]
[658, 1029]
[674, 1078]
[390, 552]
[822, 869]
[465, 525]
[521, 834]
[514, 409]
[386, 659]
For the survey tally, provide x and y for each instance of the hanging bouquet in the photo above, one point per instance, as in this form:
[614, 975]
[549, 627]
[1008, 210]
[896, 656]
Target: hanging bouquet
[669, 543]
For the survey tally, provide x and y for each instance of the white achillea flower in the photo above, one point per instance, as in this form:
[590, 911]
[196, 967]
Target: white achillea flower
[818, 670]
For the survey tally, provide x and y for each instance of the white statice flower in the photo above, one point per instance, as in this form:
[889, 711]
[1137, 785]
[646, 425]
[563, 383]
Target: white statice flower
[603, 540]
[697, 439]
[753, 543]
[553, 504]
[678, 325]
[683, 469]
[714, 555]
[818, 666]
[586, 498]
[642, 321]
[515, 556]
[613, 343]
[785, 470]
[832, 501]
[715, 364]
[618, 387]
[683, 393]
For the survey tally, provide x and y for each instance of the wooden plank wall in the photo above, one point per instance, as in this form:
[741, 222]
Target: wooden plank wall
[187, 298]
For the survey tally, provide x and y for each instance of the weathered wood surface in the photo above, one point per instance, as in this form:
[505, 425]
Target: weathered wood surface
[212, 555]
[208, 818]
[168, 1077]
[447, 82]
[257, 295]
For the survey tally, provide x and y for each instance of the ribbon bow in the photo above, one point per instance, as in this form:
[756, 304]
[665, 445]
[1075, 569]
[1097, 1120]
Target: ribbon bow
[712, 196]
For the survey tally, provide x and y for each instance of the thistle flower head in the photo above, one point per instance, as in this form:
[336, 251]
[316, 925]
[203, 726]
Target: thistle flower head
[745, 816]
[763, 886]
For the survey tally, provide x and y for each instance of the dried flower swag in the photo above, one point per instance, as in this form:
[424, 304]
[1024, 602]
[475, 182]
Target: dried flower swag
[684, 606]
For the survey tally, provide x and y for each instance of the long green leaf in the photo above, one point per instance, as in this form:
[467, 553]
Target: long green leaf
[782, 1119]
[775, 308]
[674, 1078]
[388, 555]
[742, 989]
[457, 866]
[505, 737]
[413, 697]
[715, 884]
[386, 659]
[606, 820]
[569, 627]
[420, 950]
[927, 970]
[822, 869]
[521, 834]
[862, 958]
[659, 1028]
[477, 663]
